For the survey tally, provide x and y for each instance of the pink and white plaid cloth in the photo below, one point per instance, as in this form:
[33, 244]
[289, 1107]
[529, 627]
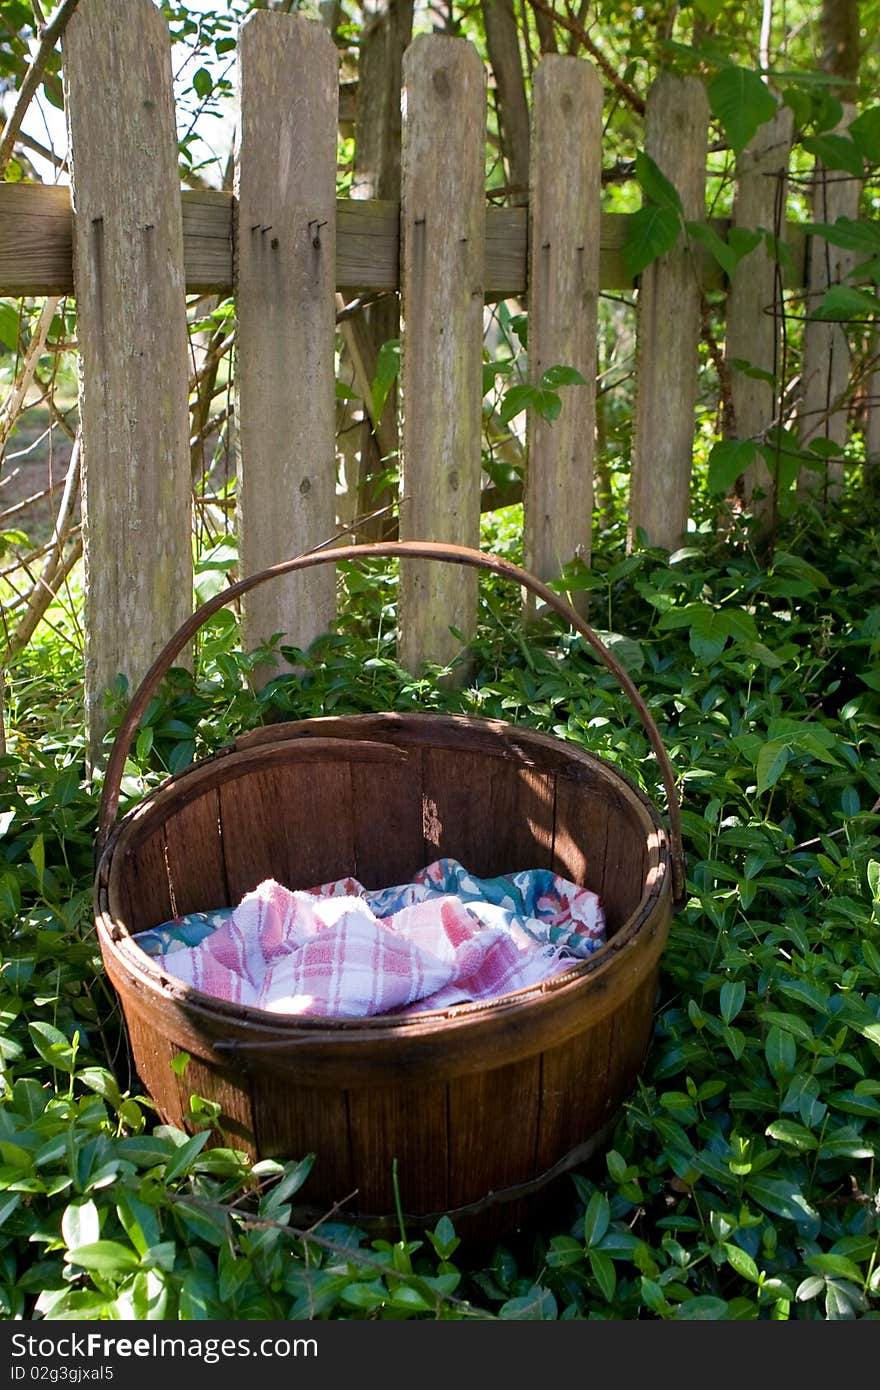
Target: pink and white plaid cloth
[325, 952]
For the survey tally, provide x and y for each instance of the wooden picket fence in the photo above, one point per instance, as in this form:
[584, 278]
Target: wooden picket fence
[131, 245]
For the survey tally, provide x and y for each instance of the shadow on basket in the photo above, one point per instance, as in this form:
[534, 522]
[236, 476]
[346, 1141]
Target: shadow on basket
[481, 1103]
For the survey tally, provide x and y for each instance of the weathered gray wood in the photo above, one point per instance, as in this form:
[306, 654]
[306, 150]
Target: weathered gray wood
[754, 330]
[285, 183]
[564, 210]
[822, 412]
[441, 269]
[128, 258]
[36, 257]
[668, 324]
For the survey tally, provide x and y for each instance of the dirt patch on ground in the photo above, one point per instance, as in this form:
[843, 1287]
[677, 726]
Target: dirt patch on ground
[32, 475]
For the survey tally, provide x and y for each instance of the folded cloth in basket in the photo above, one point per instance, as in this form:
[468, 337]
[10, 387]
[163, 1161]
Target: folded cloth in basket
[343, 951]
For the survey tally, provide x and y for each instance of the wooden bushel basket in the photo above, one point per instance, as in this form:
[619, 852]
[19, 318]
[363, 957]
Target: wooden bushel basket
[481, 1104]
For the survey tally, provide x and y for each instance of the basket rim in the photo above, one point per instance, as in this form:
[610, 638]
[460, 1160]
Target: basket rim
[116, 938]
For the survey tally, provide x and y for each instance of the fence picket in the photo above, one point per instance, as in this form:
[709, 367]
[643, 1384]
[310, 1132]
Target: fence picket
[753, 319]
[285, 184]
[129, 281]
[564, 207]
[441, 273]
[822, 412]
[668, 319]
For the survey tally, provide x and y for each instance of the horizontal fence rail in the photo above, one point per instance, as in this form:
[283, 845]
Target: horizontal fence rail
[36, 245]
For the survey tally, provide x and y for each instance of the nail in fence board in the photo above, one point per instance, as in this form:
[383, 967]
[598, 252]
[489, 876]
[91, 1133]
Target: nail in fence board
[129, 280]
[285, 185]
[668, 323]
[441, 273]
[564, 212]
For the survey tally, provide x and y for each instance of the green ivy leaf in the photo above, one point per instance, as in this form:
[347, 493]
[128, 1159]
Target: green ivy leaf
[837, 1265]
[387, 370]
[603, 1271]
[852, 235]
[741, 1261]
[773, 759]
[733, 993]
[780, 1051]
[656, 186]
[703, 1307]
[203, 83]
[865, 133]
[555, 377]
[651, 232]
[105, 1257]
[790, 1132]
[706, 236]
[785, 1199]
[183, 1156]
[728, 460]
[836, 152]
[741, 102]
[843, 303]
[80, 1224]
[596, 1218]
[538, 1305]
[8, 326]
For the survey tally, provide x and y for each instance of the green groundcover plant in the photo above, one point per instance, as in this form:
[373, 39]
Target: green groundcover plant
[741, 1180]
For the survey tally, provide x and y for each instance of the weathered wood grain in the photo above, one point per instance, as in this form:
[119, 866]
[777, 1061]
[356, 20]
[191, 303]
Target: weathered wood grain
[753, 319]
[494, 1122]
[36, 255]
[566, 171]
[668, 324]
[285, 185]
[268, 820]
[441, 272]
[128, 259]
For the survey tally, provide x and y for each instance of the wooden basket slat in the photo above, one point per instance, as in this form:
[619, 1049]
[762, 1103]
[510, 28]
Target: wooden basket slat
[493, 1127]
[229, 1087]
[472, 812]
[407, 1122]
[575, 1096]
[387, 815]
[318, 1123]
[155, 1052]
[140, 884]
[194, 851]
[623, 871]
[580, 835]
[630, 1028]
[290, 823]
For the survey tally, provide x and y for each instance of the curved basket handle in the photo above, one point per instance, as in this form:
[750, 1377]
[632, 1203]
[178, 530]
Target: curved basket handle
[421, 550]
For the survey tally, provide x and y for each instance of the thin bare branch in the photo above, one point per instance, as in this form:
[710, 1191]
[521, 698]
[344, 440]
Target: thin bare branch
[14, 403]
[50, 36]
[574, 27]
